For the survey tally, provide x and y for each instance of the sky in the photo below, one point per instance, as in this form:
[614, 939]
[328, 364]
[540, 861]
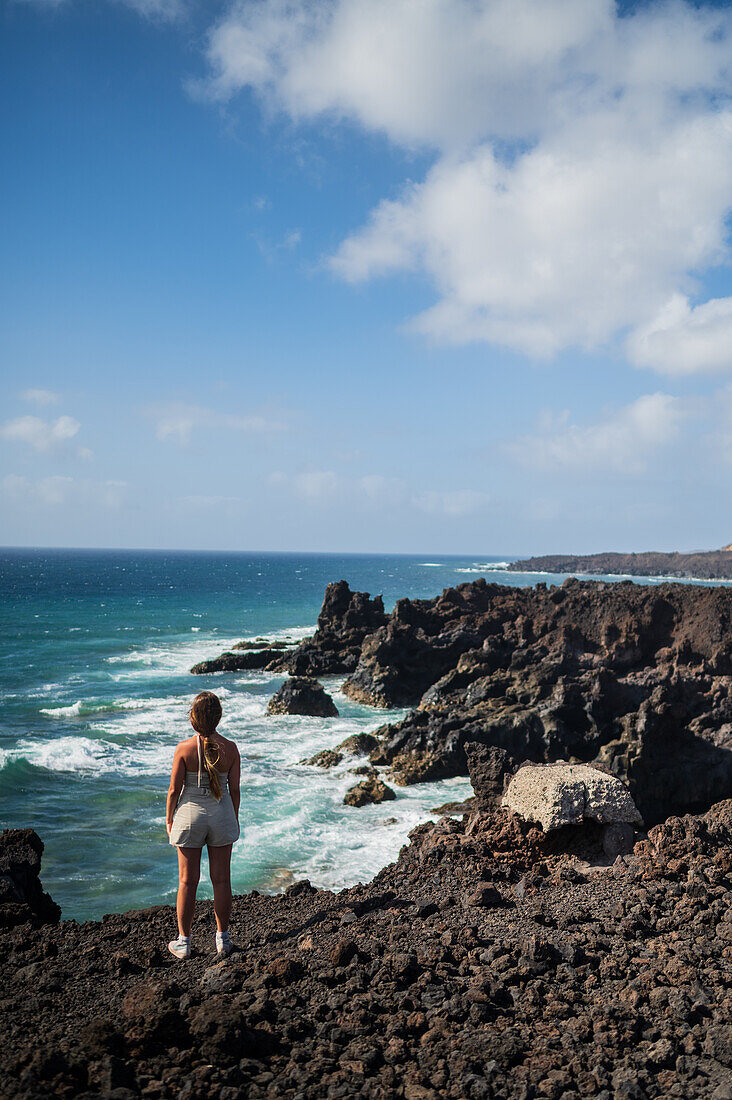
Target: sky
[420, 276]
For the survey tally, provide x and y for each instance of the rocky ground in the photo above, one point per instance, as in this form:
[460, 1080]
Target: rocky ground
[491, 960]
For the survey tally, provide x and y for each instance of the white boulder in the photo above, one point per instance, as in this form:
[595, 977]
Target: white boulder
[565, 794]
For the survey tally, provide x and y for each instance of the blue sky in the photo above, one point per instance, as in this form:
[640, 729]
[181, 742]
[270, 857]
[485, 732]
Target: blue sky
[366, 276]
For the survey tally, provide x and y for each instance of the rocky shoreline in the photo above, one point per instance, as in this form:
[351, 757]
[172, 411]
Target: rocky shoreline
[493, 959]
[634, 679]
[702, 565]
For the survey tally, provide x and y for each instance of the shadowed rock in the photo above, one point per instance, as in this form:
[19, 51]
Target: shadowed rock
[22, 897]
[359, 744]
[237, 662]
[302, 695]
[345, 619]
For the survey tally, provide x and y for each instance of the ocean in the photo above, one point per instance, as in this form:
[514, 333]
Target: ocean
[95, 652]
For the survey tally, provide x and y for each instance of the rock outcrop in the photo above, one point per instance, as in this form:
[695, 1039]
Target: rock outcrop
[636, 679]
[345, 620]
[302, 695]
[22, 898]
[555, 795]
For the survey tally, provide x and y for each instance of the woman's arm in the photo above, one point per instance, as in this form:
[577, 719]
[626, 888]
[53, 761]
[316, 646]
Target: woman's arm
[234, 781]
[177, 779]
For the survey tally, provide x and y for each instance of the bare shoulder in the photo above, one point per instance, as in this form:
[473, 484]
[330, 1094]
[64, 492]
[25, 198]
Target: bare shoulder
[229, 745]
[185, 750]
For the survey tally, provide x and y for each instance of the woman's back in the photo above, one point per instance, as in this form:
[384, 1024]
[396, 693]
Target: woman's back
[222, 753]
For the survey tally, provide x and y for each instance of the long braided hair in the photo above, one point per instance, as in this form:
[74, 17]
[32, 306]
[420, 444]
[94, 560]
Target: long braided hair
[205, 717]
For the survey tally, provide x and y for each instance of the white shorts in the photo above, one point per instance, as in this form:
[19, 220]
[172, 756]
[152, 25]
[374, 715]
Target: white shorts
[200, 820]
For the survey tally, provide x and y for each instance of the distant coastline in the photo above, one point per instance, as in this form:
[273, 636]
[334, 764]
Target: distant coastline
[703, 565]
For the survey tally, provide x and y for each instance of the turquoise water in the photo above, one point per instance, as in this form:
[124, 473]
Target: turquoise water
[95, 648]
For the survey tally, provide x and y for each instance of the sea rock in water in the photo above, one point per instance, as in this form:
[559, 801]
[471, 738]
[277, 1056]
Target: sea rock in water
[359, 744]
[368, 791]
[326, 758]
[22, 897]
[302, 695]
[238, 662]
[345, 619]
[566, 794]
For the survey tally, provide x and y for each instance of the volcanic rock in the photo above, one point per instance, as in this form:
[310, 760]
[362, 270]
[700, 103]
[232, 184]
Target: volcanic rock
[636, 679]
[359, 744]
[368, 790]
[479, 964]
[488, 767]
[566, 794]
[325, 758]
[22, 898]
[302, 695]
[345, 619]
[238, 662]
[699, 565]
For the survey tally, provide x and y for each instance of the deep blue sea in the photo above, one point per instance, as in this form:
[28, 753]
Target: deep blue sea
[95, 652]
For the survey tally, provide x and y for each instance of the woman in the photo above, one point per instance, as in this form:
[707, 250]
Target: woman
[203, 808]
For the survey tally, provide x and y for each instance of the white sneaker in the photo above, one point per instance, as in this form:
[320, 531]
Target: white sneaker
[181, 947]
[224, 946]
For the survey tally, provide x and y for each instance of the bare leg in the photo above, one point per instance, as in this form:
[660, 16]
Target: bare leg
[219, 864]
[189, 872]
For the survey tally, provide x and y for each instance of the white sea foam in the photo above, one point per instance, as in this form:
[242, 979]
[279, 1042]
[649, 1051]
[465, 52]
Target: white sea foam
[83, 755]
[488, 567]
[72, 711]
[431, 564]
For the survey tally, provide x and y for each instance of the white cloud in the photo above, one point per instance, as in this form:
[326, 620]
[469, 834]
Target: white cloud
[458, 502]
[41, 397]
[434, 72]
[683, 339]
[562, 247]
[159, 10]
[328, 487]
[43, 435]
[624, 441]
[179, 423]
[56, 491]
[583, 166]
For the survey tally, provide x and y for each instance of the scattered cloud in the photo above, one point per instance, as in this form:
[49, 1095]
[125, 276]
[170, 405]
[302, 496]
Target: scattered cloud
[179, 423]
[328, 487]
[56, 491]
[683, 339]
[44, 435]
[156, 10]
[622, 442]
[459, 502]
[271, 249]
[41, 397]
[582, 166]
